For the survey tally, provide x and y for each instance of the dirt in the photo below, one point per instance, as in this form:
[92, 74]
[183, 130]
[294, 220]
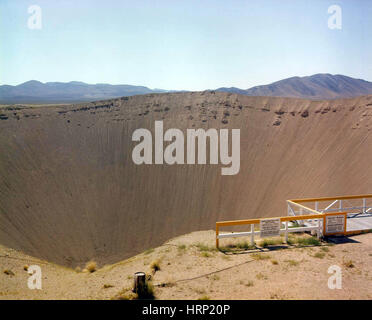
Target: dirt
[191, 268]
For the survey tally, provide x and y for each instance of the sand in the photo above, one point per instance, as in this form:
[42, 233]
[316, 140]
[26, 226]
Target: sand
[190, 268]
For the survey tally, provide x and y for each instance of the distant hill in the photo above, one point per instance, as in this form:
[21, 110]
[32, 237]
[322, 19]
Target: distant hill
[318, 86]
[58, 92]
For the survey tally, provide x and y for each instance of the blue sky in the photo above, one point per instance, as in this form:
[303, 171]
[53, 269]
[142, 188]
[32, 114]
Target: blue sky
[191, 45]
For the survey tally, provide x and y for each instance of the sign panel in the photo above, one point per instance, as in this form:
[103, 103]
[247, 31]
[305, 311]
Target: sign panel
[269, 227]
[335, 224]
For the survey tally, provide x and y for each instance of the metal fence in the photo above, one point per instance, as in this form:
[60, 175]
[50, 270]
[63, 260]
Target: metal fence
[348, 214]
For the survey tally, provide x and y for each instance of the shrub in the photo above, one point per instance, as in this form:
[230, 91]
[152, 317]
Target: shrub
[260, 256]
[294, 224]
[91, 266]
[203, 247]
[245, 245]
[125, 294]
[204, 298]
[128, 294]
[9, 272]
[155, 265]
[310, 241]
[293, 262]
[249, 283]
[271, 242]
[240, 245]
[261, 276]
[319, 255]
[349, 264]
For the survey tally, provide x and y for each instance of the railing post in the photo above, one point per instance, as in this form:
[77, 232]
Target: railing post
[319, 233]
[286, 232]
[319, 224]
[364, 205]
[217, 240]
[302, 223]
[340, 204]
[252, 234]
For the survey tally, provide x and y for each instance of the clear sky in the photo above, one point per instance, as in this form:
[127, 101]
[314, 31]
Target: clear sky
[183, 44]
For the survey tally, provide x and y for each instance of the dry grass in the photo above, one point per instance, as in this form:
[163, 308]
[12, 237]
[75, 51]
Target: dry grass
[271, 242]
[91, 266]
[275, 262]
[9, 272]
[148, 251]
[319, 255]
[168, 284]
[348, 264]
[303, 241]
[128, 294]
[155, 265]
[200, 290]
[293, 263]
[261, 276]
[204, 247]
[260, 256]
[125, 294]
[243, 245]
[249, 283]
[181, 247]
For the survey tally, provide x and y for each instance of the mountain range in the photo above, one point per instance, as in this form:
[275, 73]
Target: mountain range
[318, 86]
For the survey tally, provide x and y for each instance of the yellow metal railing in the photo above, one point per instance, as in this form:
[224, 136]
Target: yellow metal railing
[319, 214]
[286, 219]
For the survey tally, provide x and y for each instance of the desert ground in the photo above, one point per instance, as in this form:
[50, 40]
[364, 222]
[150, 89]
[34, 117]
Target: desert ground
[189, 267]
[70, 192]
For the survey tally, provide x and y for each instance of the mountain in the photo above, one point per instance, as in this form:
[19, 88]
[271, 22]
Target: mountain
[58, 92]
[318, 86]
